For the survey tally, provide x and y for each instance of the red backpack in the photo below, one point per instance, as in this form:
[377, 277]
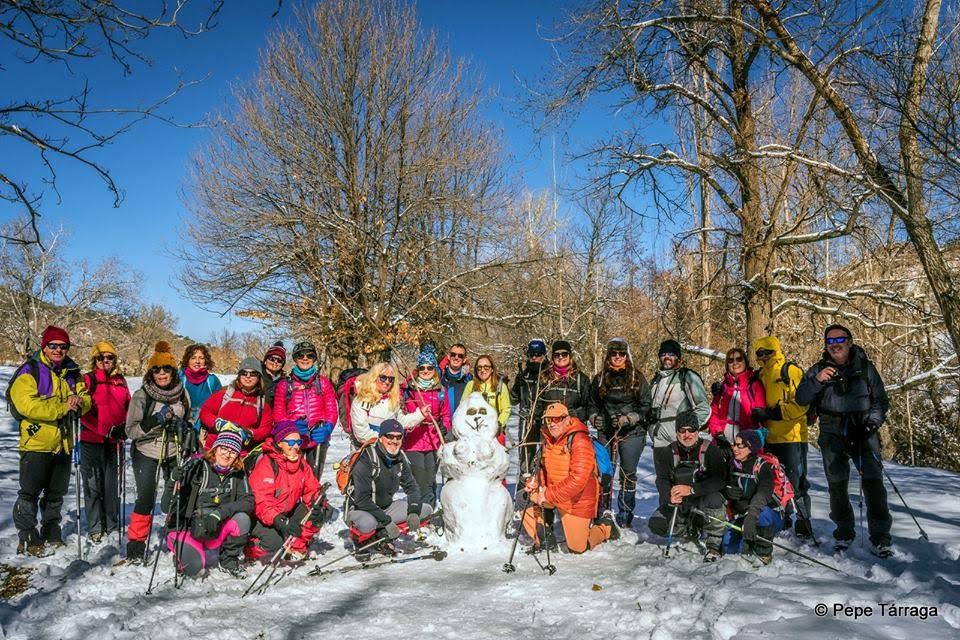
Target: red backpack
[782, 488]
[346, 390]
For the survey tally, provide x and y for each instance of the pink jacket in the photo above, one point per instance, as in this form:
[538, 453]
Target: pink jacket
[423, 437]
[306, 401]
[750, 397]
[111, 397]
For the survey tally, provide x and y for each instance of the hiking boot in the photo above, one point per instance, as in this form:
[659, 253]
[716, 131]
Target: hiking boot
[295, 556]
[625, 519]
[386, 548]
[135, 551]
[35, 549]
[883, 551]
[765, 558]
[363, 556]
[712, 555]
[56, 543]
[840, 546]
[608, 519]
[803, 529]
[232, 566]
[96, 538]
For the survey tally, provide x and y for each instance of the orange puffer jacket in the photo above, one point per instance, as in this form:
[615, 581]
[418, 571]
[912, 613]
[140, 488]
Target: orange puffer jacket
[569, 474]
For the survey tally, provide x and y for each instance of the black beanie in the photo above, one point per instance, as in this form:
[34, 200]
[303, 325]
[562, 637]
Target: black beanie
[670, 346]
[560, 345]
[833, 327]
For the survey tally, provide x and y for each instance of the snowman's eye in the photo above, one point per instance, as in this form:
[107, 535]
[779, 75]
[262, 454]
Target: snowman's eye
[482, 411]
[471, 412]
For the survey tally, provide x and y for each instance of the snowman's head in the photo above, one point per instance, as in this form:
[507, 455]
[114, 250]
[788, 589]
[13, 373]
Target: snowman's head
[475, 418]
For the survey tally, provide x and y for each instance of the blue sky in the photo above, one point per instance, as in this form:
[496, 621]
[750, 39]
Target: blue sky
[503, 39]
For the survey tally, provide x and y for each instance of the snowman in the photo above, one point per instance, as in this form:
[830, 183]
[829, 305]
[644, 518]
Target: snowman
[476, 505]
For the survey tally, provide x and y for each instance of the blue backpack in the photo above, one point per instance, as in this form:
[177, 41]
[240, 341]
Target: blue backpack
[600, 453]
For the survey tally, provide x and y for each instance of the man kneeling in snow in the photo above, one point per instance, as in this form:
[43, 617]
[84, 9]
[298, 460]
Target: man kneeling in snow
[376, 476]
[691, 475]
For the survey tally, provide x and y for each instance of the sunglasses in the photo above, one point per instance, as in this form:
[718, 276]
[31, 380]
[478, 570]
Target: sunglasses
[454, 354]
[735, 359]
[386, 379]
[292, 442]
[667, 355]
[741, 445]
[58, 346]
[484, 367]
[166, 368]
[394, 437]
[248, 373]
[425, 367]
[686, 430]
[618, 354]
[556, 419]
[306, 354]
[837, 340]
[276, 359]
[560, 354]
[101, 358]
[763, 353]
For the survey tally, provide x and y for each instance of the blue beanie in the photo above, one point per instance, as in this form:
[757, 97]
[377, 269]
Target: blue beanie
[427, 356]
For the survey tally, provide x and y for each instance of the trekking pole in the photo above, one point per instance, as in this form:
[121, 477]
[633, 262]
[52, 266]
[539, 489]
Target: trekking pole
[734, 527]
[802, 516]
[860, 471]
[121, 490]
[923, 534]
[547, 540]
[509, 567]
[73, 419]
[673, 521]
[156, 489]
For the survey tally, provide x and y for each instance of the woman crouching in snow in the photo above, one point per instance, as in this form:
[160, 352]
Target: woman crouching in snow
[215, 507]
[288, 504]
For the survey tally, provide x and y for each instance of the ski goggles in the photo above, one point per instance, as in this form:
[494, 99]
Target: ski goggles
[763, 353]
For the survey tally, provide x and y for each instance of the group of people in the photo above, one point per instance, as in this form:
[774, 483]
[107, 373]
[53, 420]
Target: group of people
[238, 467]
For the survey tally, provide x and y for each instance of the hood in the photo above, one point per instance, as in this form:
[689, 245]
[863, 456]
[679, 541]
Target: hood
[572, 427]
[743, 378]
[290, 466]
[775, 362]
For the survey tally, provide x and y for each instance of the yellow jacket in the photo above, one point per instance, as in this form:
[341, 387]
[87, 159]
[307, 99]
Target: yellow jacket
[40, 429]
[793, 426]
[495, 393]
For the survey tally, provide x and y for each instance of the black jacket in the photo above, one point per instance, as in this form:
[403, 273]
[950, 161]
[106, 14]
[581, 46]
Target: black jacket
[573, 392]
[525, 387]
[750, 486]
[203, 490]
[376, 478]
[625, 396]
[853, 400]
[704, 463]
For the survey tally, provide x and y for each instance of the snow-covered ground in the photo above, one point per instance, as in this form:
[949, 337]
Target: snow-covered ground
[625, 589]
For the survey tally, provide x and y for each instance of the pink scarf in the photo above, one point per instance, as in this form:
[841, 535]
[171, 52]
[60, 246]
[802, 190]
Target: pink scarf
[562, 372]
[196, 377]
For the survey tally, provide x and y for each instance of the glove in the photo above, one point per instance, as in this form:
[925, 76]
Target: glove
[623, 421]
[716, 388]
[118, 432]
[870, 428]
[287, 527]
[165, 414]
[750, 528]
[208, 526]
[320, 511]
[321, 433]
[653, 417]
[733, 492]
[391, 531]
[413, 522]
[303, 428]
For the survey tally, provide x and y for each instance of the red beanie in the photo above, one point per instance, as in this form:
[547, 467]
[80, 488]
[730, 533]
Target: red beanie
[52, 334]
[277, 350]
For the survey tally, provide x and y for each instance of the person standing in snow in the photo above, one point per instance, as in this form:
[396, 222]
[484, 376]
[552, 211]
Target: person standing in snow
[241, 403]
[103, 440]
[309, 399]
[567, 484]
[734, 400]
[692, 476]
[491, 386]
[675, 389]
[378, 399]
[621, 399]
[42, 392]
[196, 367]
[786, 423]
[750, 489]
[848, 395]
[215, 509]
[273, 362]
[156, 419]
[288, 504]
[454, 376]
[524, 394]
[372, 510]
[423, 392]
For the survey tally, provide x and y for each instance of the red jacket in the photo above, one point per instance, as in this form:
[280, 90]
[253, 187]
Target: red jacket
[305, 401]
[278, 493]
[423, 437]
[570, 474]
[241, 410]
[111, 397]
[751, 397]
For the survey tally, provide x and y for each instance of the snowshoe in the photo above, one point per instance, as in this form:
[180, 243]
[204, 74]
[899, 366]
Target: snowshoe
[135, 551]
[765, 558]
[37, 550]
[882, 551]
[232, 567]
[712, 555]
[96, 538]
[840, 546]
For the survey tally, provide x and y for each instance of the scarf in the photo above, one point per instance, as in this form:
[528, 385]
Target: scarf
[562, 372]
[457, 375]
[196, 377]
[423, 385]
[304, 374]
[221, 470]
[170, 395]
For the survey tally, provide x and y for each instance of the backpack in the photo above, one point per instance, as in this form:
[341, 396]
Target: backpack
[317, 386]
[32, 367]
[782, 487]
[604, 465]
[701, 456]
[344, 468]
[228, 396]
[346, 390]
[785, 379]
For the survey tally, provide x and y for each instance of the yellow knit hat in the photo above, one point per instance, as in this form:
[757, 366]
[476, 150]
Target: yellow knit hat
[101, 348]
[162, 357]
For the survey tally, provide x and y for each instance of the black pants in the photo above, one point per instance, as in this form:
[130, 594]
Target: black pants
[44, 481]
[629, 450]
[530, 438]
[688, 525]
[423, 465]
[837, 454]
[98, 468]
[144, 472]
[317, 458]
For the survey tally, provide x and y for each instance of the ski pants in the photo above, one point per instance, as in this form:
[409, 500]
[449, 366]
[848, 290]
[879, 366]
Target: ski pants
[837, 454]
[769, 522]
[423, 465]
[581, 533]
[144, 472]
[691, 526]
[195, 555]
[365, 523]
[98, 468]
[44, 481]
[629, 450]
[793, 457]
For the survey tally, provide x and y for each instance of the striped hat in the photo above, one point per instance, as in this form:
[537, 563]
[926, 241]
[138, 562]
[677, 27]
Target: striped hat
[230, 439]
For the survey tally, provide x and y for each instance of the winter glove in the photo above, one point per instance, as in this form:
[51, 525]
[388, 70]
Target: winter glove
[733, 492]
[321, 433]
[716, 388]
[303, 427]
[870, 428]
[208, 526]
[653, 417]
[413, 522]
[750, 528]
[633, 418]
[391, 531]
[118, 432]
[320, 511]
[288, 527]
[762, 414]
